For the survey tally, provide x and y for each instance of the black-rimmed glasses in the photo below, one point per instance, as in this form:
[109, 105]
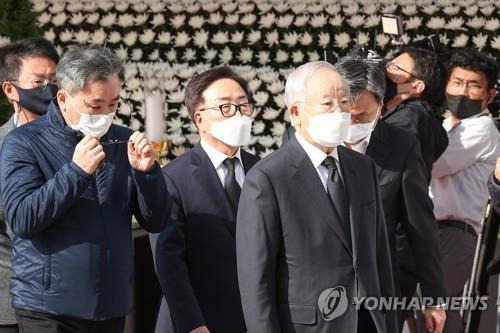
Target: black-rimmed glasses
[392, 66]
[229, 109]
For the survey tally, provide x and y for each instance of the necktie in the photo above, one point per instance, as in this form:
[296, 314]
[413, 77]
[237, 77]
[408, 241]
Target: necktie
[230, 184]
[336, 191]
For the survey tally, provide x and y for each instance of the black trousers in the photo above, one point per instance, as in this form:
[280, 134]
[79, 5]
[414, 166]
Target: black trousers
[365, 322]
[36, 322]
[9, 329]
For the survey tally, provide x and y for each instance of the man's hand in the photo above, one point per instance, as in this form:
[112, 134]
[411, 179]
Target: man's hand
[202, 329]
[497, 170]
[434, 319]
[88, 154]
[140, 152]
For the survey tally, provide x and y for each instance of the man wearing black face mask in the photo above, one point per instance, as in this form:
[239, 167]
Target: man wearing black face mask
[459, 177]
[27, 74]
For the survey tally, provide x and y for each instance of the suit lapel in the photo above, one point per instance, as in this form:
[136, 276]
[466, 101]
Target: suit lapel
[376, 148]
[207, 176]
[306, 176]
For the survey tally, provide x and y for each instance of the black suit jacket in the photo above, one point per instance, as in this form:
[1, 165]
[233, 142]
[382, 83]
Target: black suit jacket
[196, 255]
[291, 246]
[404, 191]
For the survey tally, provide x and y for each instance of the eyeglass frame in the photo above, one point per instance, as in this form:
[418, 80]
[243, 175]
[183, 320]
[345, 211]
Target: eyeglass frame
[235, 107]
[392, 64]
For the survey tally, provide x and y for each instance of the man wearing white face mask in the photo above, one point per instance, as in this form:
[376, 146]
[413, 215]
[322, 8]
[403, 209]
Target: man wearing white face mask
[403, 185]
[195, 255]
[72, 249]
[310, 232]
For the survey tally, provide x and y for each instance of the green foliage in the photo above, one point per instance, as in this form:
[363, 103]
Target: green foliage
[17, 21]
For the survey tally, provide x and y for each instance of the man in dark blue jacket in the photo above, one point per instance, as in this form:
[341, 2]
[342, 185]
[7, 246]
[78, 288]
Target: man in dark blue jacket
[70, 182]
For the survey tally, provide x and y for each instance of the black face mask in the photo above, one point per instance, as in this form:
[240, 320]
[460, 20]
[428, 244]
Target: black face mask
[463, 107]
[391, 90]
[37, 100]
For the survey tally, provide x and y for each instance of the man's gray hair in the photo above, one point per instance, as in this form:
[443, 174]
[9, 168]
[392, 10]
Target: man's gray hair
[81, 65]
[362, 75]
[295, 87]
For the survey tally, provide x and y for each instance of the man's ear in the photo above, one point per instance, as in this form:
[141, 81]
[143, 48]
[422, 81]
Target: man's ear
[294, 115]
[418, 87]
[10, 91]
[491, 96]
[61, 100]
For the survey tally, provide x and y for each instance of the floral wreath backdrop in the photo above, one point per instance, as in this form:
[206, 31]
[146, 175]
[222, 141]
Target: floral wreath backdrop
[163, 43]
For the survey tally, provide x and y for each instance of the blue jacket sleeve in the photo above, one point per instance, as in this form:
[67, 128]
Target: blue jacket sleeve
[32, 202]
[153, 202]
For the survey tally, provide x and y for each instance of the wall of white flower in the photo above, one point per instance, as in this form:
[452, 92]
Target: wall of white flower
[165, 42]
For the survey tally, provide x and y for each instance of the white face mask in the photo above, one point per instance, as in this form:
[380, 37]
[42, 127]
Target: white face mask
[329, 129]
[96, 124]
[358, 132]
[234, 131]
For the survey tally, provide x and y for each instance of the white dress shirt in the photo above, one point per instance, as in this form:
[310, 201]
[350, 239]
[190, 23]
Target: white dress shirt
[317, 157]
[362, 146]
[218, 159]
[458, 185]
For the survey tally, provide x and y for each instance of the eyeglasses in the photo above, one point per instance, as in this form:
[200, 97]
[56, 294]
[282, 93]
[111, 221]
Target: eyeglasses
[391, 66]
[229, 109]
[343, 105]
[455, 87]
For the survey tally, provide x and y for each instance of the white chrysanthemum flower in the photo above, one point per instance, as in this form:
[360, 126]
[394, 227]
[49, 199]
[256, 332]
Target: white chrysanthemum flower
[272, 38]
[382, 40]
[281, 56]
[133, 83]
[267, 21]
[476, 22]
[49, 35]
[135, 124]
[125, 20]
[171, 84]
[164, 37]
[181, 39]
[301, 20]
[105, 6]
[370, 8]
[178, 21]
[342, 40]
[495, 43]
[4, 41]
[59, 19]
[130, 38]
[313, 56]
[245, 55]
[443, 38]
[98, 37]
[279, 100]
[263, 57]
[253, 37]
[154, 56]
[372, 21]
[210, 7]
[221, 37]
[140, 7]
[59, 50]
[429, 10]
[306, 39]
[157, 7]
[125, 109]
[492, 25]
[210, 54]
[193, 138]
[200, 38]
[332, 9]
[40, 6]
[178, 150]
[268, 75]
[278, 129]
[451, 10]
[92, 18]
[418, 37]
[455, 23]
[352, 9]
[176, 96]
[460, 41]
[356, 21]
[232, 19]
[261, 98]
[471, 11]
[171, 55]
[290, 38]
[264, 7]
[196, 22]
[147, 36]
[215, 19]
[193, 8]
[436, 23]
[226, 55]
[57, 7]
[281, 7]
[410, 10]
[66, 36]
[363, 38]
[265, 141]
[285, 21]
[270, 113]
[324, 39]
[137, 95]
[43, 19]
[74, 7]
[389, 8]
[90, 6]
[276, 87]
[336, 21]
[254, 84]
[248, 19]
[406, 39]
[114, 37]
[237, 37]
[77, 19]
[108, 20]
[136, 54]
[298, 57]
[158, 20]
[265, 153]
[122, 6]
[152, 84]
[480, 41]
[245, 8]
[258, 127]
[299, 8]
[230, 7]
[315, 8]
[141, 19]
[413, 23]
[175, 8]
[318, 21]
[488, 10]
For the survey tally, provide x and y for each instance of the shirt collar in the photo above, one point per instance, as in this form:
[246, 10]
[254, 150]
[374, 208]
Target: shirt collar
[215, 156]
[316, 155]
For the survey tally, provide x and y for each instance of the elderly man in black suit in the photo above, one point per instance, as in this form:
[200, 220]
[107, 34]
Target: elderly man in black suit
[195, 255]
[310, 234]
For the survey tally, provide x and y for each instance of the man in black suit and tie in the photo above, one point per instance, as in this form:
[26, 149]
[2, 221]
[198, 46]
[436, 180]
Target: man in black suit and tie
[195, 255]
[402, 181]
[311, 235]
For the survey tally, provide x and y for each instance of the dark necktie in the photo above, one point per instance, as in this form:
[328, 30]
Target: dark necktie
[336, 191]
[231, 186]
